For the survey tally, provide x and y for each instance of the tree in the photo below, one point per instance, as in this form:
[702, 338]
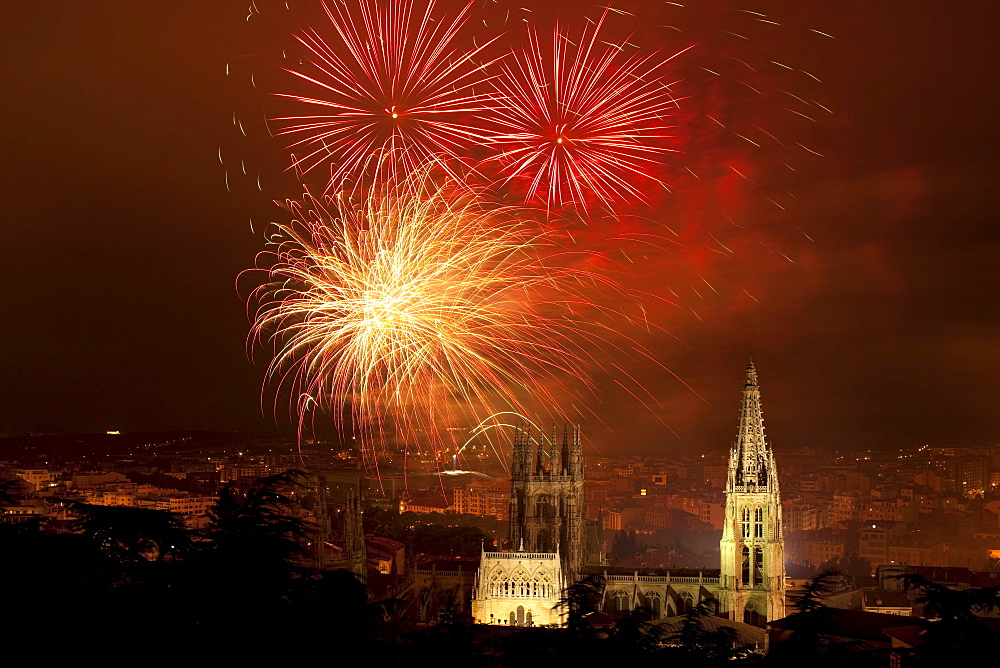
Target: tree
[580, 600]
[951, 605]
[10, 491]
[626, 544]
[131, 535]
[255, 537]
[953, 628]
[812, 596]
[806, 625]
[701, 644]
[247, 565]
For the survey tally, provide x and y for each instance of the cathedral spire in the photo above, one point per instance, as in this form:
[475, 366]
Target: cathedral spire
[752, 546]
[750, 457]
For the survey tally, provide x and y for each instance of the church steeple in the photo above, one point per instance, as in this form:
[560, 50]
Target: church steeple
[751, 465]
[752, 545]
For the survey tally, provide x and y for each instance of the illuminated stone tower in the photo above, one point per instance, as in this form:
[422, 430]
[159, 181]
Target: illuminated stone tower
[546, 501]
[752, 583]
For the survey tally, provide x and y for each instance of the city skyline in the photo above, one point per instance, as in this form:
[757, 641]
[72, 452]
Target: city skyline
[878, 329]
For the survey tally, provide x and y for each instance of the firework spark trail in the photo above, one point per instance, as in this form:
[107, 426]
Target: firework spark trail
[582, 122]
[415, 307]
[393, 91]
[419, 305]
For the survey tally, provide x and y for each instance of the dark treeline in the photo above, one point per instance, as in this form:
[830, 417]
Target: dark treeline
[132, 585]
[453, 535]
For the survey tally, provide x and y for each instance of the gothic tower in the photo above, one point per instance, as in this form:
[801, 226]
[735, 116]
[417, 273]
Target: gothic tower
[752, 549]
[546, 501]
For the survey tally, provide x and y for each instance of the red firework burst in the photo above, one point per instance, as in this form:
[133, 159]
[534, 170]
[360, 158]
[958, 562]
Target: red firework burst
[393, 90]
[584, 120]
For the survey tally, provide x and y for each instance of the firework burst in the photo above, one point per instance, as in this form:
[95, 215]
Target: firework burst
[393, 90]
[582, 121]
[417, 305]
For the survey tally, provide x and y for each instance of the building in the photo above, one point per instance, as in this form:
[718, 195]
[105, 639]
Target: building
[483, 498]
[547, 512]
[818, 546]
[847, 506]
[444, 588]
[547, 530]
[519, 589]
[548, 534]
[38, 478]
[890, 510]
[385, 555]
[798, 516]
[887, 602]
[752, 587]
[875, 539]
[193, 510]
[427, 502]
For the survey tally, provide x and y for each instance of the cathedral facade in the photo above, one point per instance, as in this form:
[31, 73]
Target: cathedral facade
[546, 503]
[548, 539]
[519, 589]
[523, 587]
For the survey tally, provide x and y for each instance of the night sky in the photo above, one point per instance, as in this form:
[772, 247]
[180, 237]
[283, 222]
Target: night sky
[867, 298]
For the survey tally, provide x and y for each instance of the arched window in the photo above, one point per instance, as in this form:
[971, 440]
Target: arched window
[621, 601]
[758, 565]
[520, 615]
[751, 615]
[543, 541]
[527, 619]
[758, 523]
[745, 575]
[685, 602]
[746, 522]
[520, 587]
[544, 507]
[653, 603]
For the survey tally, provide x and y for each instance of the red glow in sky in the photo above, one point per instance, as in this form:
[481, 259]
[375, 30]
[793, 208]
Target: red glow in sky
[861, 281]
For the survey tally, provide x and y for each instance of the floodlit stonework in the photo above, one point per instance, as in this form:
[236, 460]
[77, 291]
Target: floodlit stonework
[546, 501]
[519, 589]
[522, 588]
[752, 580]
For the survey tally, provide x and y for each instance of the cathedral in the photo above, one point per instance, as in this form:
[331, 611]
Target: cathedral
[552, 546]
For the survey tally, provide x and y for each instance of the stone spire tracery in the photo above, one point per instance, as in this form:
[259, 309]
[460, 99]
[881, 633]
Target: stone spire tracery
[752, 462]
[752, 546]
